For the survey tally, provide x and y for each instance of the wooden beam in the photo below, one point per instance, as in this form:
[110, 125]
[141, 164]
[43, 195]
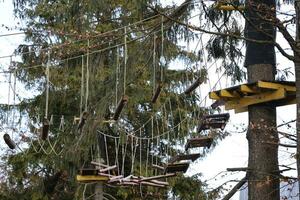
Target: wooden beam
[81, 178]
[225, 93]
[237, 169]
[275, 86]
[256, 99]
[247, 89]
[214, 95]
[230, 7]
[235, 189]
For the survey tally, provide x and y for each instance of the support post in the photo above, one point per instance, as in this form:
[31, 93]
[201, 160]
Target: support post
[263, 178]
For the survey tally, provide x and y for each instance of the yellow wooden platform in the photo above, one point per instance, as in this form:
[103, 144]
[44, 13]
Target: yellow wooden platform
[277, 93]
[228, 7]
[89, 178]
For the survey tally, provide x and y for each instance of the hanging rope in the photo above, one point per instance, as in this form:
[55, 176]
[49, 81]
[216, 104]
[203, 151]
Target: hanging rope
[106, 152]
[154, 63]
[117, 145]
[163, 61]
[140, 144]
[47, 86]
[87, 76]
[117, 75]
[8, 96]
[124, 155]
[125, 59]
[82, 84]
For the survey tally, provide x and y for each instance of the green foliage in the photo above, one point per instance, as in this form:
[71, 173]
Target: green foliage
[60, 29]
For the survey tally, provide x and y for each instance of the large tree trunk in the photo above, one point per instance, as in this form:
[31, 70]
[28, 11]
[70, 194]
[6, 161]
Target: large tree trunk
[263, 179]
[297, 70]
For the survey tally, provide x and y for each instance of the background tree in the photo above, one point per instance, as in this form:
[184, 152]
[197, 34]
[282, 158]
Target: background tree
[72, 34]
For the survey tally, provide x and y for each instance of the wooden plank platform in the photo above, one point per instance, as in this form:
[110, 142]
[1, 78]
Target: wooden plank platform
[199, 142]
[277, 93]
[91, 178]
[177, 167]
[213, 121]
[183, 157]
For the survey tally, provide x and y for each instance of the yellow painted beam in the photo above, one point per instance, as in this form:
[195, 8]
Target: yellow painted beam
[81, 178]
[275, 86]
[256, 99]
[227, 94]
[230, 7]
[247, 89]
[214, 95]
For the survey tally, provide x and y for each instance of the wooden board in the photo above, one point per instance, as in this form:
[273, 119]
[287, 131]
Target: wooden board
[199, 142]
[278, 93]
[81, 178]
[177, 167]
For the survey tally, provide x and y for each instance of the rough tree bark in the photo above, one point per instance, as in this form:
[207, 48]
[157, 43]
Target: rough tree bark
[263, 181]
[297, 73]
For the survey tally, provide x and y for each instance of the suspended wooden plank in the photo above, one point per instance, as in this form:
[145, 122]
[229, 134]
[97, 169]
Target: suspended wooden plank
[194, 86]
[120, 107]
[205, 141]
[191, 157]
[45, 129]
[83, 119]
[10, 143]
[213, 121]
[156, 93]
[177, 167]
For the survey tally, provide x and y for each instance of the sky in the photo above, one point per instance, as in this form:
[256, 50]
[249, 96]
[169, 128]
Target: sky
[230, 152]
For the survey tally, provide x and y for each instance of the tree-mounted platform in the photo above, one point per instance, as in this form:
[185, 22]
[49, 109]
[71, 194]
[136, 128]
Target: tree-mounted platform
[205, 141]
[93, 174]
[277, 93]
[229, 5]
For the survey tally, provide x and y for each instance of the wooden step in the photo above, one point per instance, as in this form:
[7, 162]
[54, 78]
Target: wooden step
[177, 167]
[199, 142]
[213, 121]
[183, 157]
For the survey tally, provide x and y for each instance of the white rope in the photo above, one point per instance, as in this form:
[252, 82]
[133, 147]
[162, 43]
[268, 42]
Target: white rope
[8, 96]
[148, 147]
[117, 75]
[62, 124]
[82, 85]
[124, 155]
[47, 86]
[83, 193]
[125, 59]
[106, 151]
[154, 62]
[87, 77]
[117, 145]
[162, 49]
[140, 144]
